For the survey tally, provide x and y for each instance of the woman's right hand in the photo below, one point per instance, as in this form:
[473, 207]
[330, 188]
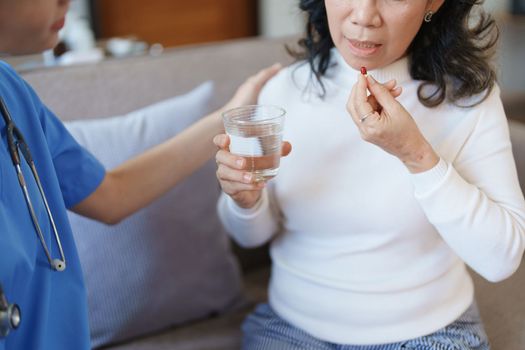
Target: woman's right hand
[383, 121]
[235, 181]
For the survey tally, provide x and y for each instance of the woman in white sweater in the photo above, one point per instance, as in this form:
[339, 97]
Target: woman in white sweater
[392, 188]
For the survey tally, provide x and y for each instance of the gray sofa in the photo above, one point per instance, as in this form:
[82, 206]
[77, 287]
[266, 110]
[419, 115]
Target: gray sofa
[119, 86]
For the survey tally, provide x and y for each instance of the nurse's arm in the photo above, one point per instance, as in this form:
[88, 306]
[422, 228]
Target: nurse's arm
[139, 181]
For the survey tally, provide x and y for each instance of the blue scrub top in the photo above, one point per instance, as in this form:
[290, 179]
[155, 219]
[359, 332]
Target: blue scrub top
[53, 304]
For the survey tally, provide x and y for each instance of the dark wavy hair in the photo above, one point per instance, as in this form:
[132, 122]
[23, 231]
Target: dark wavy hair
[451, 54]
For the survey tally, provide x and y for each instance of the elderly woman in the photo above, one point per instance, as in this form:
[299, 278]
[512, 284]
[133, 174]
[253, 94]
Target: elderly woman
[398, 180]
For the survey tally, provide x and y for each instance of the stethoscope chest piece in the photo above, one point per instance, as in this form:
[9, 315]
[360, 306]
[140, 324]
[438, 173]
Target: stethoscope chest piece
[10, 316]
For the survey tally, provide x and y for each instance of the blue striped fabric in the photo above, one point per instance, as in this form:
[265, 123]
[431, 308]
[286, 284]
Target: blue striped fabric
[265, 330]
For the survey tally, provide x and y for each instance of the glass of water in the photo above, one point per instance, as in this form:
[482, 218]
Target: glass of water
[256, 133]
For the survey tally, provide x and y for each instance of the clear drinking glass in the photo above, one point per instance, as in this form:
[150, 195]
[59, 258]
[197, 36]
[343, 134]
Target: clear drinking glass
[256, 133]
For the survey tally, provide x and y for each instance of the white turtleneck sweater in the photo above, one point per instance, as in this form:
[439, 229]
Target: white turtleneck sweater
[363, 252]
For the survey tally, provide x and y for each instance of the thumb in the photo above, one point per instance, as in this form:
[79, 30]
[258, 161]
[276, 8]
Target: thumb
[286, 148]
[222, 141]
[382, 95]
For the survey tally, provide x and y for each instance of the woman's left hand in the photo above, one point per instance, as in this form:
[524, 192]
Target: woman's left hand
[383, 121]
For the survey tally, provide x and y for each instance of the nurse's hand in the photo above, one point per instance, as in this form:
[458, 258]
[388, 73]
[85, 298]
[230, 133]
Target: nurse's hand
[383, 121]
[248, 92]
[235, 181]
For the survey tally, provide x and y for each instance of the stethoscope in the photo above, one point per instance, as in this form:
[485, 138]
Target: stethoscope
[10, 316]
[16, 142]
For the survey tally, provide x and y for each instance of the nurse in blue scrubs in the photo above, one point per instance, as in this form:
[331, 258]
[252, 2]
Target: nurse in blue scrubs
[40, 271]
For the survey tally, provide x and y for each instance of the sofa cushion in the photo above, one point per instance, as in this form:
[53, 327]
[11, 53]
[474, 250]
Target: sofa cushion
[168, 263]
[216, 333]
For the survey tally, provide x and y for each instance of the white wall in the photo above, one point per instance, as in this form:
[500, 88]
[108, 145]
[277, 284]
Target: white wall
[280, 18]
[81, 8]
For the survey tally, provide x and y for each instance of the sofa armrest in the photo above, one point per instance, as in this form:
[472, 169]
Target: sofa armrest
[517, 136]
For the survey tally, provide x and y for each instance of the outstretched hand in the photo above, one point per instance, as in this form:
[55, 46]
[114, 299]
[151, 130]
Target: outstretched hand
[248, 92]
[383, 121]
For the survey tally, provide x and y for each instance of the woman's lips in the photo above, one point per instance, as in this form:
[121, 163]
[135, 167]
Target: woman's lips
[363, 48]
[58, 24]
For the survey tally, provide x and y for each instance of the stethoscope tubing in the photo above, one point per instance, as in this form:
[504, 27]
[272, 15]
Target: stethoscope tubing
[20, 144]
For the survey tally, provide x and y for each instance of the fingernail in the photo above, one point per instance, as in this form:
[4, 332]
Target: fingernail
[247, 177]
[240, 162]
[371, 79]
